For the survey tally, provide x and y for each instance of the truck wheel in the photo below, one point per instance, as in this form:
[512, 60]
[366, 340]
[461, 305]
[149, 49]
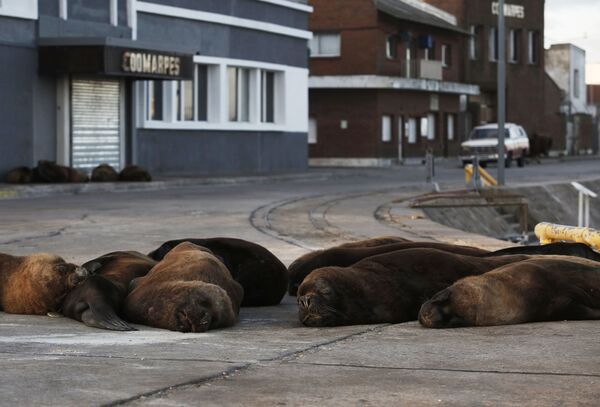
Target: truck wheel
[508, 160]
[521, 161]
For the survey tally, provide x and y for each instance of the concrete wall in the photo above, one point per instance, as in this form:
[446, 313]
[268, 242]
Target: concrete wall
[210, 152]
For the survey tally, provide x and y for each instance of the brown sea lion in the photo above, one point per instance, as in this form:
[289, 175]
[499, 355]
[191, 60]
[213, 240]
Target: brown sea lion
[97, 301]
[189, 290]
[372, 242]
[50, 172]
[134, 173]
[387, 288]
[346, 256]
[263, 276]
[36, 284]
[560, 249]
[548, 288]
[104, 173]
[19, 175]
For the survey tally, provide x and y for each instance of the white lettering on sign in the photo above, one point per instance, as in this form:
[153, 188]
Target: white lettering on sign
[510, 10]
[138, 62]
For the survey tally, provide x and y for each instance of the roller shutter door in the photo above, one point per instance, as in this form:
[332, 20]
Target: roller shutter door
[95, 123]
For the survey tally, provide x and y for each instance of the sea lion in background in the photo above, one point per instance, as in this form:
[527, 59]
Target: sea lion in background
[36, 284]
[19, 175]
[48, 171]
[98, 300]
[372, 242]
[387, 288]
[263, 276]
[189, 290]
[343, 257]
[561, 249]
[539, 289]
[104, 173]
[134, 173]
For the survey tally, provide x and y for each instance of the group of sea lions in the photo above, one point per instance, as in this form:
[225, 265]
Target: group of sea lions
[193, 285]
[50, 172]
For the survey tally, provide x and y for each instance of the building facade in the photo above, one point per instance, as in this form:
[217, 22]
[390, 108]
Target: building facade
[177, 86]
[386, 82]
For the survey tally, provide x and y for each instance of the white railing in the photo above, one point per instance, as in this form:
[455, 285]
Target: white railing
[583, 219]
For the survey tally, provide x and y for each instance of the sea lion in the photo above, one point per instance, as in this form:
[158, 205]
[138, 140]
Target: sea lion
[36, 284]
[97, 301]
[561, 248]
[263, 276]
[134, 173]
[104, 173]
[346, 256]
[50, 172]
[539, 289]
[372, 242]
[387, 288]
[189, 290]
[19, 175]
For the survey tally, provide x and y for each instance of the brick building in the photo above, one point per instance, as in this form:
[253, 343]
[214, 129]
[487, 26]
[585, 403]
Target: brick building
[386, 82]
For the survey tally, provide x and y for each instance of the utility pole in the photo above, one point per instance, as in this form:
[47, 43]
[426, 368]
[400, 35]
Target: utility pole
[501, 91]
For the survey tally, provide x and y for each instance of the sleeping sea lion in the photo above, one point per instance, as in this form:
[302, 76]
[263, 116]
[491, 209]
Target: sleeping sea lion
[387, 288]
[263, 276]
[104, 173]
[97, 301]
[19, 175]
[48, 171]
[561, 249]
[36, 284]
[134, 173]
[189, 290]
[346, 256]
[539, 289]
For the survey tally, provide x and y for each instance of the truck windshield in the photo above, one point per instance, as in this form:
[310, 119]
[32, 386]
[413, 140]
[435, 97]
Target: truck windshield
[480, 134]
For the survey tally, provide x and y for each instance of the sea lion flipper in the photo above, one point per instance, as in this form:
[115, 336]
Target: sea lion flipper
[104, 318]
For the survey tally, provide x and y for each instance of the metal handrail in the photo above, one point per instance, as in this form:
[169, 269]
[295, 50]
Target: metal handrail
[583, 218]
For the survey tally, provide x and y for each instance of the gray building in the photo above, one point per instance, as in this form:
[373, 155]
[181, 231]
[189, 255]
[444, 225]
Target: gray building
[177, 86]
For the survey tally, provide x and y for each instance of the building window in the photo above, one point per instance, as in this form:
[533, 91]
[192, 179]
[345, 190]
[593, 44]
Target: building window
[431, 126]
[154, 101]
[475, 42]
[424, 127]
[201, 93]
[450, 126]
[446, 55]
[239, 94]
[390, 47]
[386, 128]
[576, 79]
[312, 130]
[325, 45]
[185, 100]
[493, 44]
[267, 97]
[514, 45]
[411, 130]
[532, 47]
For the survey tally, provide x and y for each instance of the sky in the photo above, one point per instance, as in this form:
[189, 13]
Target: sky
[577, 22]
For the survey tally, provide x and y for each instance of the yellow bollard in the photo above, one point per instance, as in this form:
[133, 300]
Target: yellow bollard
[550, 232]
[487, 179]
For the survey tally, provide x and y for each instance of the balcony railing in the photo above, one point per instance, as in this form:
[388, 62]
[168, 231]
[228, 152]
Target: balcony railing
[421, 69]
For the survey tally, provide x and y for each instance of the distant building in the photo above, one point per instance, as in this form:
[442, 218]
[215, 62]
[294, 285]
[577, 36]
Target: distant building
[386, 82]
[565, 64]
[177, 86]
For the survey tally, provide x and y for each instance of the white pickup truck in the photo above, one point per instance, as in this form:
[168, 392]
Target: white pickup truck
[483, 143]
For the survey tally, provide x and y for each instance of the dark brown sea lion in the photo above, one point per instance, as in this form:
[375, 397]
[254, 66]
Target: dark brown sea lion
[539, 289]
[190, 290]
[97, 301]
[134, 173]
[263, 276]
[388, 288]
[561, 249]
[104, 173]
[372, 242]
[346, 256]
[36, 284]
[19, 175]
[50, 172]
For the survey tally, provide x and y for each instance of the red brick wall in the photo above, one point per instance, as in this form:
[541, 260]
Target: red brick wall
[593, 94]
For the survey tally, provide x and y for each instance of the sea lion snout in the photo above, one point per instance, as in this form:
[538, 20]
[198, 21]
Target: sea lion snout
[431, 316]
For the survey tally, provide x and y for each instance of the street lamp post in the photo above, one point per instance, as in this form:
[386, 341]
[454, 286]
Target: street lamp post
[501, 91]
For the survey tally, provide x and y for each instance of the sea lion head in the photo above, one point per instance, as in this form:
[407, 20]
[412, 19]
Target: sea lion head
[40, 285]
[190, 306]
[321, 302]
[452, 307]
[302, 267]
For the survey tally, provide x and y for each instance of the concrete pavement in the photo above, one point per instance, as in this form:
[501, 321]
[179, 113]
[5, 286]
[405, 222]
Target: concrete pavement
[268, 358]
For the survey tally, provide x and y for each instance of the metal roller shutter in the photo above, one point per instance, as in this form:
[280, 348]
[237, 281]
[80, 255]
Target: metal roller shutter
[95, 123]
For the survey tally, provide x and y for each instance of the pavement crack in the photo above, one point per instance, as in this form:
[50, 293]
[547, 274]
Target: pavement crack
[425, 369]
[54, 233]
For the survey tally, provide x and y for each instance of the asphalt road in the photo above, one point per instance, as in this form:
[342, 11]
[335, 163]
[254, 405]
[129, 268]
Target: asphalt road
[268, 358]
